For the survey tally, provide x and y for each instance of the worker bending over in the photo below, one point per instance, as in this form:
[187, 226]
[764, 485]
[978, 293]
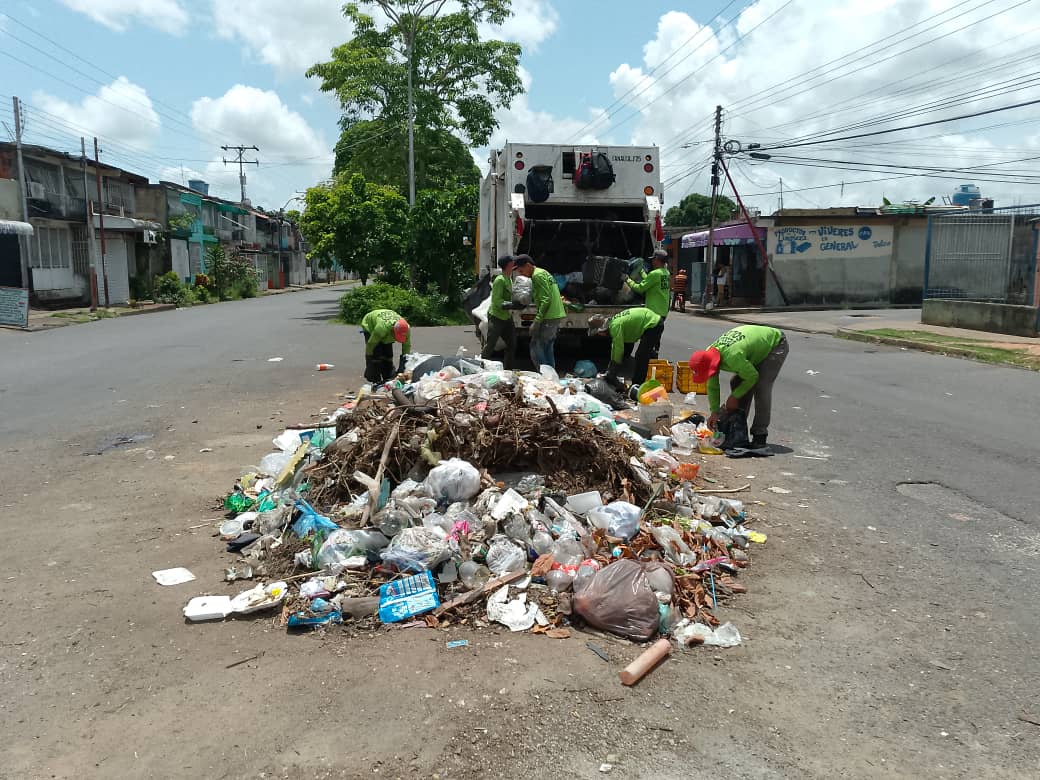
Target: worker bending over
[381, 328]
[626, 328]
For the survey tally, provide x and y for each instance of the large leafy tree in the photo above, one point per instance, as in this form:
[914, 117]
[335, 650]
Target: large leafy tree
[379, 152]
[459, 80]
[362, 225]
[695, 210]
[439, 225]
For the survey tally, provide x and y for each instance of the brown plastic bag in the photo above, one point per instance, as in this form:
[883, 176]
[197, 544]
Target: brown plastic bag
[619, 599]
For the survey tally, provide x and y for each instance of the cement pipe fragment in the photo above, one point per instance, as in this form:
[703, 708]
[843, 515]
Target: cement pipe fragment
[650, 657]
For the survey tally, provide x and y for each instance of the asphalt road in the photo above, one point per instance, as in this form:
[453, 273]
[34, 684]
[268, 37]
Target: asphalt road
[891, 629]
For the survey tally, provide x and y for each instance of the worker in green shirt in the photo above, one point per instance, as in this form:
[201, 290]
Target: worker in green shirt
[626, 328]
[754, 354]
[549, 312]
[500, 321]
[382, 328]
[655, 288]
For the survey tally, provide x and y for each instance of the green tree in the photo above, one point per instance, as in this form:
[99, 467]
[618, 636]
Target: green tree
[440, 228]
[459, 80]
[360, 224]
[379, 152]
[695, 210]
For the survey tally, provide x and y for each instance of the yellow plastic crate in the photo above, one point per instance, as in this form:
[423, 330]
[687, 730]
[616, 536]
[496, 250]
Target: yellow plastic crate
[663, 372]
[684, 381]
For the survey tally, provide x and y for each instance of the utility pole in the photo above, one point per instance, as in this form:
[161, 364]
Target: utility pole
[781, 193]
[90, 225]
[716, 157]
[411, 114]
[101, 218]
[26, 275]
[241, 174]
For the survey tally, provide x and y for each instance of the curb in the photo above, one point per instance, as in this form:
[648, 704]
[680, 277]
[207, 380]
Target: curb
[739, 321]
[935, 349]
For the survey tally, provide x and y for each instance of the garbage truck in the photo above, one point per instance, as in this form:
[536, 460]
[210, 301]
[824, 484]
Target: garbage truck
[587, 214]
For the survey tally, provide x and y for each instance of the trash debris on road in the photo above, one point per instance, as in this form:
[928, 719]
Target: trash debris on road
[479, 496]
[177, 576]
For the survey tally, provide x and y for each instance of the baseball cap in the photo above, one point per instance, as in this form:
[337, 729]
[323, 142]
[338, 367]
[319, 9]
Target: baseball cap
[598, 323]
[505, 260]
[704, 364]
[401, 328]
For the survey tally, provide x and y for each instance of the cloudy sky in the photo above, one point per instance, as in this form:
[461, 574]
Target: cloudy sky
[164, 83]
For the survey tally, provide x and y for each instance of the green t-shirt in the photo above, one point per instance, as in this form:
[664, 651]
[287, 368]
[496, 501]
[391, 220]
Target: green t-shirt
[379, 325]
[501, 292]
[654, 288]
[546, 296]
[628, 327]
[741, 350]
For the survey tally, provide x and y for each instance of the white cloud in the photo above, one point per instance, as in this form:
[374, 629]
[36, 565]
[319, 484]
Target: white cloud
[761, 82]
[120, 111]
[166, 15]
[290, 37]
[258, 117]
[292, 154]
[531, 23]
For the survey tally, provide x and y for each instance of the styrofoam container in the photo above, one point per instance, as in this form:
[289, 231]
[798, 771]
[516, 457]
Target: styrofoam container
[208, 608]
[581, 503]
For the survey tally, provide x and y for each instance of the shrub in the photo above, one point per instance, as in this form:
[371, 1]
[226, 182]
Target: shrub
[168, 289]
[231, 275]
[415, 307]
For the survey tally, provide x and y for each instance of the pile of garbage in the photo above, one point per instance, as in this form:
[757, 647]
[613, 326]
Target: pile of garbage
[477, 495]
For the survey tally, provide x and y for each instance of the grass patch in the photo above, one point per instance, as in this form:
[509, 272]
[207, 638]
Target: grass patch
[982, 351]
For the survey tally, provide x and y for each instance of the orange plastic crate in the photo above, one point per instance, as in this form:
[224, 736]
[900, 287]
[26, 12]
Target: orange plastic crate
[684, 381]
[662, 370]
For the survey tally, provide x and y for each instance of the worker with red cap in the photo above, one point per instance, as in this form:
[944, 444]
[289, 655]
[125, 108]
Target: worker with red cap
[382, 328]
[754, 354]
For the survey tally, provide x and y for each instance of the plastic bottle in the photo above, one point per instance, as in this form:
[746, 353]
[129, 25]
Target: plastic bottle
[542, 542]
[474, 575]
[324, 367]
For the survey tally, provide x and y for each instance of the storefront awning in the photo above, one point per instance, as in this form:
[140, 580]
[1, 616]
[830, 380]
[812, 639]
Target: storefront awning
[9, 227]
[727, 235]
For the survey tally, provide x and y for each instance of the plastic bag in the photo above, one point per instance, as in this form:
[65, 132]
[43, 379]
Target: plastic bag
[454, 480]
[585, 369]
[623, 522]
[343, 545]
[503, 556]
[675, 549]
[310, 521]
[601, 391]
[417, 549]
[725, 635]
[659, 459]
[620, 599]
[273, 462]
[523, 290]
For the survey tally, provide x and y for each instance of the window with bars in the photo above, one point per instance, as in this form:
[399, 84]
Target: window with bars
[52, 248]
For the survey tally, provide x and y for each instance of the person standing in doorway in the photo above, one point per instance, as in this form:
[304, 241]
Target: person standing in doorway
[549, 312]
[754, 354]
[679, 282]
[500, 320]
[722, 282]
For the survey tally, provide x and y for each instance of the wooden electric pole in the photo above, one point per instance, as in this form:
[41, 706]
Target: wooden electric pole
[716, 156]
[27, 242]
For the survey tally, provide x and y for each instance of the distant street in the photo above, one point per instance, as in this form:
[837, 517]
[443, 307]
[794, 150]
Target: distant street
[890, 627]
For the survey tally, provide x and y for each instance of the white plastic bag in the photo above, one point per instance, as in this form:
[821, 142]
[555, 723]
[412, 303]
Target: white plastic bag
[503, 556]
[523, 290]
[273, 462]
[417, 549]
[344, 544]
[624, 522]
[454, 479]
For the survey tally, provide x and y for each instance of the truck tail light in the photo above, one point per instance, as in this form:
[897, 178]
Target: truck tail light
[519, 165]
[649, 167]
[648, 190]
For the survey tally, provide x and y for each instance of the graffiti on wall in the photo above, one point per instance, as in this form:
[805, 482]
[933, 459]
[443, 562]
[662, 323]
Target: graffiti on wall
[830, 241]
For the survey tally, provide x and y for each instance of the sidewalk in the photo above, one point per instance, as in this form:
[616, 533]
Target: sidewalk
[46, 319]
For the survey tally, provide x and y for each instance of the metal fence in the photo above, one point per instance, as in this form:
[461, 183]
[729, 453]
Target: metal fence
[983, 255]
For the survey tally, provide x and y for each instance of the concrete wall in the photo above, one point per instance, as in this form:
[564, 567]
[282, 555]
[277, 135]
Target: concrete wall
[989, 317]
[847, 260]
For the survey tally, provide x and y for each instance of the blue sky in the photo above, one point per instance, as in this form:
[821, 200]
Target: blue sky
[191, 75]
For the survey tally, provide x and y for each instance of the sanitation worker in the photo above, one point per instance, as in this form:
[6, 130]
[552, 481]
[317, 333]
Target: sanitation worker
[382, 328]
[500, 321]
[626, 328]
[549, 312]
[654, 288]
[754, 354]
